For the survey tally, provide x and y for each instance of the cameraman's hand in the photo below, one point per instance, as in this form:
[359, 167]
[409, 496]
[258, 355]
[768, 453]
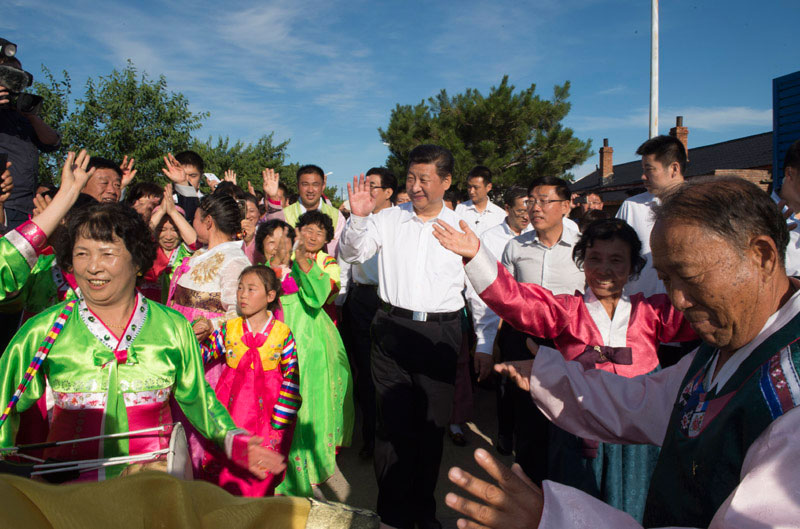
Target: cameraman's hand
[5, 97]
[6, 185]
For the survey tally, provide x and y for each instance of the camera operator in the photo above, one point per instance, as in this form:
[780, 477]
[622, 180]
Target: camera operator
[22, 136]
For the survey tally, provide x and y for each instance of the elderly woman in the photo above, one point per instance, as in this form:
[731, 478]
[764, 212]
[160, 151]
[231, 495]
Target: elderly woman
[112, 358]
[605, 329]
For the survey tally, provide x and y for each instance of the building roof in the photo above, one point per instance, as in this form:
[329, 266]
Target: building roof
[749, 152]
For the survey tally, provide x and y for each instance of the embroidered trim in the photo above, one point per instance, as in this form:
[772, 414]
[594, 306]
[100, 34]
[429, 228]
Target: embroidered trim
[84, 401]
[780, 384]
[105, 336]
[33, 234]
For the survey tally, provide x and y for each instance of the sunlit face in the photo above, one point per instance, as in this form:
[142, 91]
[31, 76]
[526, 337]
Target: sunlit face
[478, 190]
[314, 236]
[271, 243]
[201, 225]
[717, 288]
[252, 213]
[310, 186]
[402, 197]
[518, 218]
[381, 196]
[545, 208]
[168, 237]
[656, 176]
[592, 202]
[251, 296]
[193, 174]
[607, 266]
[281, 197]
[104, 271]
[105, 185]
[425, 187]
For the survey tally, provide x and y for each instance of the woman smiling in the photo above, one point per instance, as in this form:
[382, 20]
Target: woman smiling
[605, 328]
[113, 358]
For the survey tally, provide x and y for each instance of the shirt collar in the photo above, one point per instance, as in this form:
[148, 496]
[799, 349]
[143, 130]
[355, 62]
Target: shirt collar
[568, 237]
[408, 213]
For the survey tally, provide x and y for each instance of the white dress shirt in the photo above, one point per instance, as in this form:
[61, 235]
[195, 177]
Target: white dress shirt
[530, 261]
[361, 273]
[484, 319]
[793, 248]
[480, 221]
[415, 272]
[638, 212]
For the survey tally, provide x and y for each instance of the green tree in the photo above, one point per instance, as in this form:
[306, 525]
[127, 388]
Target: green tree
[127, 114]
[246, 159]
[518, 135]
[54, 112]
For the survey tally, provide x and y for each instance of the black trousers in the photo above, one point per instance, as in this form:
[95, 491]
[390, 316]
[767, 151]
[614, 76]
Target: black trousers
[517, 414]
[359, 310]
[413, 367]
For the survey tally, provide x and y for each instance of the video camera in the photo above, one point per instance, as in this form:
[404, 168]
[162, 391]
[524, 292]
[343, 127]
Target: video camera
[16, 80]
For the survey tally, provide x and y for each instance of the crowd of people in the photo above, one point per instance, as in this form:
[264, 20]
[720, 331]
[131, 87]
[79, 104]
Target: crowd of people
[645, 364]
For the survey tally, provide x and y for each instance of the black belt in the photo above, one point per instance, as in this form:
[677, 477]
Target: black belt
[363, 285]
[420, 316]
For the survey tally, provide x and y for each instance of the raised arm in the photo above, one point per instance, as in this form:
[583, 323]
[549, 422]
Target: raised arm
[185, 229]
[360, 239]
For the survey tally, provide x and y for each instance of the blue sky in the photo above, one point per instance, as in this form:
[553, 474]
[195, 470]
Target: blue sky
[326, 74]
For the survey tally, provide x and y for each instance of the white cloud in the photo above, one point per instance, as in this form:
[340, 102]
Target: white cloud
[695, 117]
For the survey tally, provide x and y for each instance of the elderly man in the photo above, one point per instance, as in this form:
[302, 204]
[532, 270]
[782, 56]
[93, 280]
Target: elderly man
[724, 415]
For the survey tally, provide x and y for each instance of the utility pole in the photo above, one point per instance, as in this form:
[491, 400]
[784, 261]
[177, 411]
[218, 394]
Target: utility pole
[654, 69]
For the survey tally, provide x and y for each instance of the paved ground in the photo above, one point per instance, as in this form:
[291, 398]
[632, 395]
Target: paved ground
[354, 483]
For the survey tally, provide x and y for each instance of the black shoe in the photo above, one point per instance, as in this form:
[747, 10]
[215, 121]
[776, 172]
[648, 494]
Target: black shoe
[503, 445]
[457, 438]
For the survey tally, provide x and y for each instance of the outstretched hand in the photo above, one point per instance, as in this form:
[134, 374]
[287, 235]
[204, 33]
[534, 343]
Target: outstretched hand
[465, 244]
[515, 502]
[361, 201]
[74, 174]
[128, 172]
[271, 181]
[519, 371]
[230, 176]
[174, 170]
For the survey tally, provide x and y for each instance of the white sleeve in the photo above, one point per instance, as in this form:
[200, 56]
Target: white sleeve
[229, 283]
[360, 240]
[345, 278]
[768, 494]
[599, 405]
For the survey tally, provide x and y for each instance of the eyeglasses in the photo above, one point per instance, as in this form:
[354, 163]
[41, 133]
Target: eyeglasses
[372, 187]
[543, 202]
[519, 212]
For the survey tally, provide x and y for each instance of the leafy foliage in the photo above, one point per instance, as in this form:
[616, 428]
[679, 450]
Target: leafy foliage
[518, 135]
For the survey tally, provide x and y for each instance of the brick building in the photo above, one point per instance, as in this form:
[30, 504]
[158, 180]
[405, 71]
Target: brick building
[749, 157]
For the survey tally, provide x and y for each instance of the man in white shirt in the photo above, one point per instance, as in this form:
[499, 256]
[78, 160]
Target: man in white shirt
[417, 332]
[544, 257]
[789, 193]
[663, 166]
[725, 416]
[480, 212]
[359, 292]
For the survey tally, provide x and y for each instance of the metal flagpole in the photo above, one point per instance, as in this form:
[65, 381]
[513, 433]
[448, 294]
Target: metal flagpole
[654, 68]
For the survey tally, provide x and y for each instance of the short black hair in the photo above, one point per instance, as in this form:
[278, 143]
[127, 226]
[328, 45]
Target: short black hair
[792, 158]
[311, 169]
[225, 211]
[388, 180]
[606, 230]
[512, 194]
[317, 218]
[591, 216]
[731, 207]
[435, 154]
[97, 162]
[269, 280]
[480, 171]
[265, 229]
[191, 158]
[667, 150]
[451, 195]
[562, 189]
[229, 188]
[102, 222]
[143, 189]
